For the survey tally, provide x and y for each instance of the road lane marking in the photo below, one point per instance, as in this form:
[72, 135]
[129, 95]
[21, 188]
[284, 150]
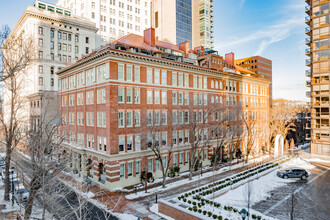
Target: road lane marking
[297, 190]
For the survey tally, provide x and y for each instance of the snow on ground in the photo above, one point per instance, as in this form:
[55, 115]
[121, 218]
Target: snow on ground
[318, 160]
[186, 180]
[24, 155]
[260, 187]
[154, 209]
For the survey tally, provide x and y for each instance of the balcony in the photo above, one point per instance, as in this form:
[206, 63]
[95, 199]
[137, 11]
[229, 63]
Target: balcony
[308, 2]
[308, 41]
[308, 31]
[307, 20]
[308, 94]
[308, 83]
[307, 9]
[308, 73]
[308, 52]
[308, 62]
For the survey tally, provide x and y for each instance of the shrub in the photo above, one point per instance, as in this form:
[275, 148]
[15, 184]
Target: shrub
[189, 201]
[219, 217]
[190, 209]
[204, 212]
[209, 214]
[214, 216]
[235, 210]
[254, 216]
[259, 217]
[199, 211]
[194, 203]
[184, 199]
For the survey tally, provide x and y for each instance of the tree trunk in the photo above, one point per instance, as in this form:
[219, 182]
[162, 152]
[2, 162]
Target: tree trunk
[29, 204]
[7, 181]
[191, 170]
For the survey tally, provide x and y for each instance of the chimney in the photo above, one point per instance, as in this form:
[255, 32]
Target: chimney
[184, 46]
[229, 58]
[149, 37]
[196, 49]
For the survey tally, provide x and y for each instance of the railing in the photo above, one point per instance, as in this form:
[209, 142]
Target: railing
[307, 40]
[308, 94]
[307, 8]
[308, 73]
[308, 83]
[307, 30]
[307, 19]
[308, 51]
[308, 62]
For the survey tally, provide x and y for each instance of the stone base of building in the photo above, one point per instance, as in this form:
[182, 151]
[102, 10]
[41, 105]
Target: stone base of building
[175, 213]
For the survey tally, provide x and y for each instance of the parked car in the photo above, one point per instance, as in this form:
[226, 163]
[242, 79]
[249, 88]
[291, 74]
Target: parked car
[17, 181]
[21, 194]
[293, 173]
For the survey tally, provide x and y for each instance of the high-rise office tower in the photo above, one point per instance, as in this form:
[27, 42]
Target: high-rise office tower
[114, 18]
[318, 31]
[176, 21]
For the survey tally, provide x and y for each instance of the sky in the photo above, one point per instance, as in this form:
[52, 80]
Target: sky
[273, 29]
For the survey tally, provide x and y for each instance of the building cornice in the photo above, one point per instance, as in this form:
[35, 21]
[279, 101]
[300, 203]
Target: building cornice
[155, 60]
[51, 17]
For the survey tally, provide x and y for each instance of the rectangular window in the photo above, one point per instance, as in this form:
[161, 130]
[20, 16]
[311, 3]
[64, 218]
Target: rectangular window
[149, 97]
[121, 93]
[195, 82]
[121, 72]
[181, 158]
[137, 96]
[186, 80]
[180, 117]
[186, 117]
[164, 118]
[129, 95]
[186, 137]
[137, 74]
[205, 82]
[200, 82]
[164, 97]
[121, 119]
[157, 76]
[150, 164]
[129, 76]
[129, 143]
[137, 142]
[122, 170]
[186, 98]
[149, 75]
[164, 77]
[175, 159]
[137, 167]
[174, 79]
[174, 138]
[149, 118]
[157, 97]
[180, 98]
[157, 117]
[121, 143]
[174, 98]
[180, 80]
[137, 118]
[129, 118]
[174, 117]
[164, 139]
[129, 169]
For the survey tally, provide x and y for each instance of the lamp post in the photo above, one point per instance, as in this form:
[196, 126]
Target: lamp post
[243, 213]
[12, 185]
[146, 180]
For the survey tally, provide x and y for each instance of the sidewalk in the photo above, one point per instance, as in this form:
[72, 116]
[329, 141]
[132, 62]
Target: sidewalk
[116, 201]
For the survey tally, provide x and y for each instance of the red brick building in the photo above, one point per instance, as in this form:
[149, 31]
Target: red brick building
[112, 97]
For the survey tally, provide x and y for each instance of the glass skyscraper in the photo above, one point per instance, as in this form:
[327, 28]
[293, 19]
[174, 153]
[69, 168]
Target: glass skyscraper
[184, 21]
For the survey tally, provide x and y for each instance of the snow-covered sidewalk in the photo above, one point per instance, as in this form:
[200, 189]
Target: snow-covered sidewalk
[194, 179]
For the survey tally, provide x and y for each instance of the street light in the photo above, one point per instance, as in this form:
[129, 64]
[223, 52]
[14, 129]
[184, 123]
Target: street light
[243, 213]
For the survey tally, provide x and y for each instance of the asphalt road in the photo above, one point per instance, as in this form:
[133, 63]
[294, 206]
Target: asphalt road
[311, 197]
[62, 201]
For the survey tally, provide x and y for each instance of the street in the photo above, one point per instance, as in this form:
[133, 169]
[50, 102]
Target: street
[62, 201]
[312, 197]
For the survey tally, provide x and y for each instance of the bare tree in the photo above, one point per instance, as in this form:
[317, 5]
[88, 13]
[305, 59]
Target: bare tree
[250, 133]
[43, 147]
[17, 52]
[162, 150]
[281, 121]
[199, 128]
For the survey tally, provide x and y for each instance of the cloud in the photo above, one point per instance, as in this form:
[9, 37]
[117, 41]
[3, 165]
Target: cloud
[267, 35]
[241, 4]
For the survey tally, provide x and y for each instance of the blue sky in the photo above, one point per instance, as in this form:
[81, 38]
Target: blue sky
[270, 28]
